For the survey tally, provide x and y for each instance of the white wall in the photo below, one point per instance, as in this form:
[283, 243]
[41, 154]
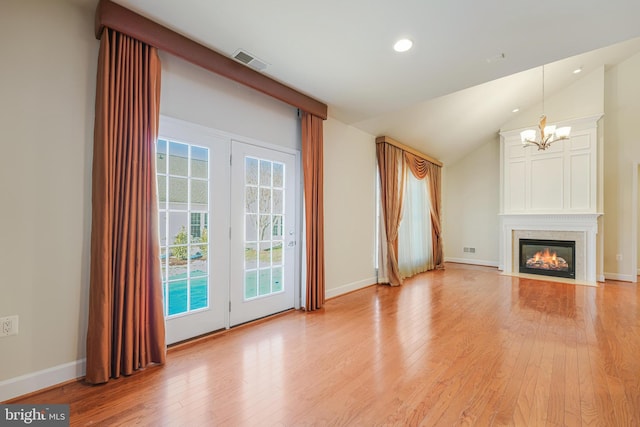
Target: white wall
[471, 195]
[621, 154]
[350, 206]
[47, 82]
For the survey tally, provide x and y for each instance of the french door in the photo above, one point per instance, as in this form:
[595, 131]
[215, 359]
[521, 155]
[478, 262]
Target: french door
[263, 227]
[193, 179]
[227, 233]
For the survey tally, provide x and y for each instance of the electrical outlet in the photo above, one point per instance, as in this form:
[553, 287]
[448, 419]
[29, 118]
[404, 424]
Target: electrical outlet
[8, 326]
[472, 250]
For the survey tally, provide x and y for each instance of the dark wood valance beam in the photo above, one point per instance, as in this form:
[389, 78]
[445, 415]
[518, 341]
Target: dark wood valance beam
[112, 15]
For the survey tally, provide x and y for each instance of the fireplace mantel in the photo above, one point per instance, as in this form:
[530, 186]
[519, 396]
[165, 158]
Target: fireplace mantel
[559, 221]
[582, 228]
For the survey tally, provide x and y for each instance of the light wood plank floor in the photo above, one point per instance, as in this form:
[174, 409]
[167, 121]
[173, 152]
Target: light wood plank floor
[464, 346]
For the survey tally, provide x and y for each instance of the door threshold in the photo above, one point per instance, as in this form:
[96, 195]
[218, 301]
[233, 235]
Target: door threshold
[219, 332]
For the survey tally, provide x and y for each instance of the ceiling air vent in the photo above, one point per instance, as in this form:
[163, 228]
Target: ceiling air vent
[249, 59]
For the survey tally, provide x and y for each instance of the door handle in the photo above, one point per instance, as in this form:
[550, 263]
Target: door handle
[292, 243]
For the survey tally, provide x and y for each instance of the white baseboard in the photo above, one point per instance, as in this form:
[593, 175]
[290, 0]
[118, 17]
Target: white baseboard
[350, 287]
[472, 261]
[28, 383]
[620, 277]
[601, 278]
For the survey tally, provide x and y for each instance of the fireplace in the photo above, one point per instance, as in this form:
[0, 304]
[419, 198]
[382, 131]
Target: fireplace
[548, 257]
[580, 228]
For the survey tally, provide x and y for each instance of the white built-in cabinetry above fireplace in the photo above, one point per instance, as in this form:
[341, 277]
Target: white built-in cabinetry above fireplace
[556, 192]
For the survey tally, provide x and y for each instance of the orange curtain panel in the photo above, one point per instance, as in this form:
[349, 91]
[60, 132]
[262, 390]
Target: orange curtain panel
[126, 321]
[392, 169]
[435, 190]
[312, 168]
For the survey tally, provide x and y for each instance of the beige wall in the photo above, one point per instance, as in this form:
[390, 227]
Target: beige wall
[47, 82]
[350, 194]
[471, 196]
[621, 155]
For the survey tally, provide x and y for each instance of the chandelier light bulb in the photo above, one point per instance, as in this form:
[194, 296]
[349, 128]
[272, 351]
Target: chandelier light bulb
[563, 132]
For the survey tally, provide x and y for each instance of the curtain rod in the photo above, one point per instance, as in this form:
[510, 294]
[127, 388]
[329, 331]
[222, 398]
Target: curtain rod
[391, 141]
[119, 18]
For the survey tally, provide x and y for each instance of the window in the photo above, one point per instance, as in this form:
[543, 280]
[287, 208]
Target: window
[198, 225]
[183, 193]
[195, 225]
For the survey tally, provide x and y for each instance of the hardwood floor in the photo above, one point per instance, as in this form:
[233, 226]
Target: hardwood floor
[464, 346]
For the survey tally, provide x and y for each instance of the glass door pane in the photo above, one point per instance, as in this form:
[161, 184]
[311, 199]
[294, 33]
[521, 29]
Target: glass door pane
[183, 209]
[193, 177]
[264, 220]
[263, 245]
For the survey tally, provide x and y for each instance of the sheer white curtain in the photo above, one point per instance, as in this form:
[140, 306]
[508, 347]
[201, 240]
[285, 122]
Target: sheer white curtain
[414, 235]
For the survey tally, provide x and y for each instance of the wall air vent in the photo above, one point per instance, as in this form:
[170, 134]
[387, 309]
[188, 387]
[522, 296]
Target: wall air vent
[249, 59]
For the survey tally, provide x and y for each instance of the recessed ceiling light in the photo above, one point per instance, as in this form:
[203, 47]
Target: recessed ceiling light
[515, 110]
[402, 45]
[577, 70]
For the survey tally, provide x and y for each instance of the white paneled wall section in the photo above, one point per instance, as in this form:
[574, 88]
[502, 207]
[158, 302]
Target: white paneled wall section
[561, 179]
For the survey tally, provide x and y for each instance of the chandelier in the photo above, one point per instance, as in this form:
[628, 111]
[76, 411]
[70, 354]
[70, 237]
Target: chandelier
[545, 135]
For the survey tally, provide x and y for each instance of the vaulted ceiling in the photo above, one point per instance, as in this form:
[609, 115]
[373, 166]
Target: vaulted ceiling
[471, 64]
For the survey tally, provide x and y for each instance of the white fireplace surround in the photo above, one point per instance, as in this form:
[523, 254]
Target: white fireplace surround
[581, 228]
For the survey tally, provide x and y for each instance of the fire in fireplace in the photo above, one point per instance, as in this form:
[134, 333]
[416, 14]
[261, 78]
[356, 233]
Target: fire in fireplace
[548, 257]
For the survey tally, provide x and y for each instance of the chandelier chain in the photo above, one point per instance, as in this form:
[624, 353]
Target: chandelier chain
[547, 134]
